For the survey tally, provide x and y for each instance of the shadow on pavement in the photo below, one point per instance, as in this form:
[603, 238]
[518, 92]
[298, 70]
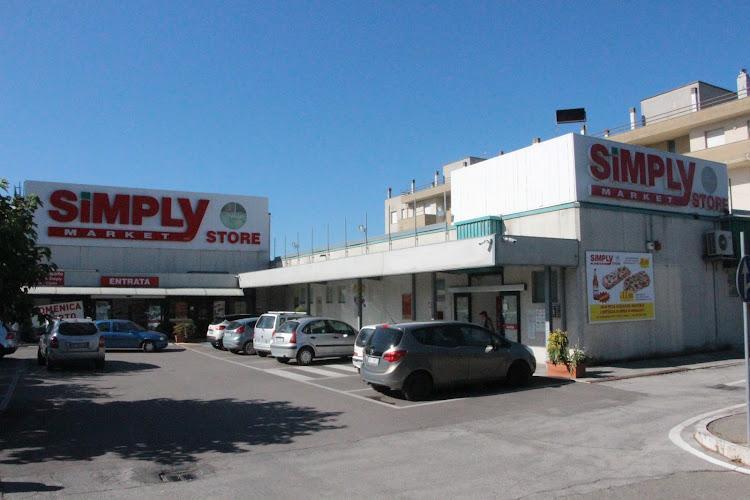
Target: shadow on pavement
[84, 369]
[65, 420]
[7, 487]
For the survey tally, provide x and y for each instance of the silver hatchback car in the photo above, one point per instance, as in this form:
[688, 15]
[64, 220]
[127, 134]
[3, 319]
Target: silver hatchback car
[71, 340]
[238, 336]
[305, 339]
[415, 358]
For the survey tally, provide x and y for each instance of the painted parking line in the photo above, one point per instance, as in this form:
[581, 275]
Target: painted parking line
[303, 379]
[347, 368]
[320, 371]
[736, 382]
[10, 390]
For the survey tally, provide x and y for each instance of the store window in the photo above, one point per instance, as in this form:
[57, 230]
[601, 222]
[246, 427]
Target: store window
[342, 297]
[537, 287]
[102, 309]
[672, 146]
[329, 294]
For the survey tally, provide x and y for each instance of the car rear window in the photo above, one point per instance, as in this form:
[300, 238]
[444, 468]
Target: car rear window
[234, 325]
[265, 322]
[383, 339]
[364, 336]
[288, 327]
[77, 329]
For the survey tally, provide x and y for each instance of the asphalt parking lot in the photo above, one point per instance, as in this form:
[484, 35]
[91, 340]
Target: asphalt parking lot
[195, 422]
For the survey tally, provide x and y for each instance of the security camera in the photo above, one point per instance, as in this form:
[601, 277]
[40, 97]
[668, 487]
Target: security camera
[508, 239]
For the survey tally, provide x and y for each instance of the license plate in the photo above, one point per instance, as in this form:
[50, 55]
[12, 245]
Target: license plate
[78, 345]
[373, 360]
[278, 340]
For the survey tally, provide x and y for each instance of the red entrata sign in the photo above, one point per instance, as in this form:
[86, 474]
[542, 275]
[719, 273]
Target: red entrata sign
[653, 178]
[130, 281]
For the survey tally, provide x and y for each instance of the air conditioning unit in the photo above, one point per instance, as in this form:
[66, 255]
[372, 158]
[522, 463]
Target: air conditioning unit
[719, 244]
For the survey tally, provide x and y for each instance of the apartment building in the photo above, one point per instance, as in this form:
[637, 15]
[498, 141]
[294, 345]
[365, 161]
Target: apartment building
[423, 206]
[699, 120]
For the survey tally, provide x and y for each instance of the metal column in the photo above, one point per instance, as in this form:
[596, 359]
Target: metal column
[359, 303]
[413, 297]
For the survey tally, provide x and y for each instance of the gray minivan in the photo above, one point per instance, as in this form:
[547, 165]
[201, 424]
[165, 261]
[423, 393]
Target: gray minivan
[266, 327]
[71, 340]
[415, 358]
[305, 339]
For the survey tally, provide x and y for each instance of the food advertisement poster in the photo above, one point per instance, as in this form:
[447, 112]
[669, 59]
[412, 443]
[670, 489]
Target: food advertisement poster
[620, 286]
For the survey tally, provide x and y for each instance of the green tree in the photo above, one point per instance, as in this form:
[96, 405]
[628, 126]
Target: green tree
[23, 264]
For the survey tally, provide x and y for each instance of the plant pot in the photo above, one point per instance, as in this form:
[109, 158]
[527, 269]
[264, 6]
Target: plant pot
[562, 370]
[180, 338]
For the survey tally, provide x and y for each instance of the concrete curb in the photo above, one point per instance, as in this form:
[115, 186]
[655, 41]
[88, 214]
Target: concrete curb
[665, 371]
[732, 451]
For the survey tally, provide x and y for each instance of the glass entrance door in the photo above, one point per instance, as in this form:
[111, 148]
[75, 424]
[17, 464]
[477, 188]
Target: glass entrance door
[509, 315]
[462, 307]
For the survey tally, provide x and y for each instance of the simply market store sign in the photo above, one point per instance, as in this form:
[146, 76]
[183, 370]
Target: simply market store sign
[84, 215]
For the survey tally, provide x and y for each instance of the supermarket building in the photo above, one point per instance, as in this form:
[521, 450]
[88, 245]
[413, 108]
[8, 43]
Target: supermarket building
[628, 248]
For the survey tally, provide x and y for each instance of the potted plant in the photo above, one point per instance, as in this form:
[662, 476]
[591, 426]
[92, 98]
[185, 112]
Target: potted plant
[557, 354]
[183, 331]
[561, 361]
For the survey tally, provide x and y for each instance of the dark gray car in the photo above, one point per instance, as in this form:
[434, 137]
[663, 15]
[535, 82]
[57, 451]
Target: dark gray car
[415, 358]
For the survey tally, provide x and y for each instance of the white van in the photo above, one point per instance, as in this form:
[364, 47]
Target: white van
[267, 325]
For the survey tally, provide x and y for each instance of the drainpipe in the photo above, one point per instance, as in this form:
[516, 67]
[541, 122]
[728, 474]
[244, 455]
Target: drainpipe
[359, 303]
[309, 299]
[413, 297]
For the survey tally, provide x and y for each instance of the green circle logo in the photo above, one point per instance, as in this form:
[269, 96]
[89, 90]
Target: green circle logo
[233, 215]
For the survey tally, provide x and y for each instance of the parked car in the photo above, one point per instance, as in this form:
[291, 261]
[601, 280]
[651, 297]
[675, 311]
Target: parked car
[238, 336]
[359, 345]
[124, 334]
[415, 358]
[67, 340]
[215, 332]
[305, 339]
[8, 340]
[266, 327]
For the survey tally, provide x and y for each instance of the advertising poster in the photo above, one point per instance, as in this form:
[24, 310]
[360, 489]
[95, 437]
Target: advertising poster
[620, 286]
[62, 310]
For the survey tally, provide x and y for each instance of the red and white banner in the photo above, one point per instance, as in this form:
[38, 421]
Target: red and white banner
[85, 215]
[55, 278]
[130, 281]
[62, 310]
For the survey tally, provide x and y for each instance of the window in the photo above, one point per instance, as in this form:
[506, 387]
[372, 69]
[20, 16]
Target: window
[537, 287]
[431, 208]
[364, 336]
[473, 336]
[439, 336]
[715, 137]
[303, 296]
[134, 327]
[383, 339]
[671, 146]
[403, 213]
[340, 327]
[77, 328]
[318, 326]
[288, 327]
[329, 294]
[120, 326]
[394, 217]
[342, 298]
[103, 326]
[265, 322]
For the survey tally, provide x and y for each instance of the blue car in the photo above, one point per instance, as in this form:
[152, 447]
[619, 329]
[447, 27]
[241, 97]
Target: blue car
[124, 334]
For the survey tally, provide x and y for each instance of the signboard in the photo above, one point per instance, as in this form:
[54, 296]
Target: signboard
[62, 310]
[55, 278]
[743, 278]
[85, 215]
[620, 286]
[130, 281]
[622, 174]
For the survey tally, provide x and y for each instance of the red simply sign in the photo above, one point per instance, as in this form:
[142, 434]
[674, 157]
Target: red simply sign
[131, 281]
[653, 178]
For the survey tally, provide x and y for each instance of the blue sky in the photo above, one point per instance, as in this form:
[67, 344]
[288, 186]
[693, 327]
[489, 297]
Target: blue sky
[322, 105]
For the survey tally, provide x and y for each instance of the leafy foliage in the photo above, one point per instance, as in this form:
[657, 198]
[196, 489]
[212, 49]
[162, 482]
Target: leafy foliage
[23, 264]
[557, 347]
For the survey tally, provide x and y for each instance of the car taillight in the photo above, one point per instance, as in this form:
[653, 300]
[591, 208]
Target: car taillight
[54, 343]
[393, 356]
[221, 327]
[10, 335]
[293, 338]
[101, 341]
[240, 330]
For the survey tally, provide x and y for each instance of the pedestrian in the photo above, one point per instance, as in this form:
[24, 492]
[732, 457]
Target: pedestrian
[486, 321]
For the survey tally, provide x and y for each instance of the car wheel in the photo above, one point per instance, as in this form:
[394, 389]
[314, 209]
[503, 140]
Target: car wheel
[305, 356]
[215, 345]
[518, 374]
[418, 386]
[283, 361]
[99, 364]
[39, 358]
[51, 365]
[248, 348]
[262, 354]
[148, 346]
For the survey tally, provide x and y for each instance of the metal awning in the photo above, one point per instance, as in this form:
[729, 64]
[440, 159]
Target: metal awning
[137, 292]
[516, 287]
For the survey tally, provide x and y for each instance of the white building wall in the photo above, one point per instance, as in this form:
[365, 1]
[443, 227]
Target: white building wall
[556, 224]
[735, 130]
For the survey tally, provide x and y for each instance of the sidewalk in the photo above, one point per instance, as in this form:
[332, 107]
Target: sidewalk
[659, 366]
[726, 434]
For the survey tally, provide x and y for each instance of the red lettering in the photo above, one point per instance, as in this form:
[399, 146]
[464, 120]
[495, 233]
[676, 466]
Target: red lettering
[118, 212]
[85, 214]
[632, 171]
[686, 177]
[63, 200]
[671, 183]
[193, 218]
[256, 238]
[166, 214]
[233, 237]
[655, 169]
[599, 168]
[245, 238]
[144, 206]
